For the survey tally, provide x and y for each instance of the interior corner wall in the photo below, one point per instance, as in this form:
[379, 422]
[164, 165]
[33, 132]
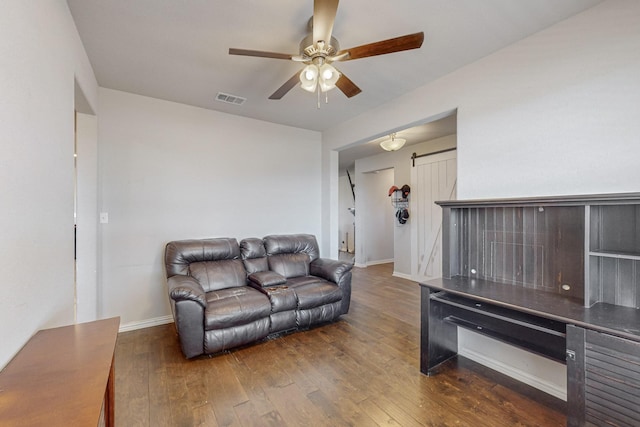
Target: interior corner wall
[169, 171]
[401, 162]
[330, 198]
[41, 55]
[86, 217]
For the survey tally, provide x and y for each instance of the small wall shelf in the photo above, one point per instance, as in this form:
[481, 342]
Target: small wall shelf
[608, 254]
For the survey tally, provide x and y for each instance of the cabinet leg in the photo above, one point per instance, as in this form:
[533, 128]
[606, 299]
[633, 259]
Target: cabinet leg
[438, 339]
[109, 397]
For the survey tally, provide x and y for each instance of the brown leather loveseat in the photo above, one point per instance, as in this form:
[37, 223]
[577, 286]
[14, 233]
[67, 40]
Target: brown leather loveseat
[226, 294]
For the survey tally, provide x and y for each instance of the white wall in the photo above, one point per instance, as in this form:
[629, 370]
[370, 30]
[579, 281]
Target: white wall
[542, 373]
[374, 217]
[401, 163]
[40, 55]
[555, 113]
[170, 171]
[86, 217]
[552, 114]
[330, 204]
[346, 218]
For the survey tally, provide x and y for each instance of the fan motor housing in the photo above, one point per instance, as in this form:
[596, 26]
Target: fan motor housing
[307, 47]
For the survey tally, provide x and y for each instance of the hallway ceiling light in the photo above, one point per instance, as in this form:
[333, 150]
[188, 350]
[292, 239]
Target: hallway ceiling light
[392, 144]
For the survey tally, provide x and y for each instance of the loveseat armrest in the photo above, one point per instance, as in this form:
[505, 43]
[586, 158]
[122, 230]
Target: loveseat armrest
[329, 269]
[183, 288]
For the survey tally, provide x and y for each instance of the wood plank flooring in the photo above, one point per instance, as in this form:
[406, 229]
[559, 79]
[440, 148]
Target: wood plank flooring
[362, 370]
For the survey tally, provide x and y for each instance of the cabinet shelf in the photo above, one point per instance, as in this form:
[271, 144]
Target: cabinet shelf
[504, 333]
[615, 254]
[603, 317]
[503, 314]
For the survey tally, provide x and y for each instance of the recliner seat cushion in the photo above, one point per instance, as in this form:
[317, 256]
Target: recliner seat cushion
[313, 292]
[235, 306]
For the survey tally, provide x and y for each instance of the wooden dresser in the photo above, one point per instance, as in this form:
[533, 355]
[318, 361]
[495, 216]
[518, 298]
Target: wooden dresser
[62, 377]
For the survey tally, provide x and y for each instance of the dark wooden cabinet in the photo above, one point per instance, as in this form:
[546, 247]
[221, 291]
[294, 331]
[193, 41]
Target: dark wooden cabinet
[558, 276]
[603, 379]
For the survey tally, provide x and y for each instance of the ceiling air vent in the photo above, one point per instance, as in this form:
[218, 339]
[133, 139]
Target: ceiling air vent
[230, 99]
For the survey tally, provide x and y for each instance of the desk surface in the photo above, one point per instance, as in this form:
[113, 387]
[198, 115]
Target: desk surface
[607, 318]
[60, 376]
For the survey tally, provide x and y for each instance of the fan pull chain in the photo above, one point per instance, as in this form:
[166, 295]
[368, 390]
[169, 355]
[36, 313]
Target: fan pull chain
[326, 97]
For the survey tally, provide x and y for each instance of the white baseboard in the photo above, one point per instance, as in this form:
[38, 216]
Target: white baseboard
[382, 261]
[515, 373]
[157, 321]
[359, 265]
[403, 276]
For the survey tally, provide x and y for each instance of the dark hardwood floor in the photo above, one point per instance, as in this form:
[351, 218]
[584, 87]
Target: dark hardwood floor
[360, 371]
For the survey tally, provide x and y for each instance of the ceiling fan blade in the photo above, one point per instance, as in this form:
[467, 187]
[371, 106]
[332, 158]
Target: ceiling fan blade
[398, 44]
[259, 53]
[347, 87]
[324, 14]
[282, 90]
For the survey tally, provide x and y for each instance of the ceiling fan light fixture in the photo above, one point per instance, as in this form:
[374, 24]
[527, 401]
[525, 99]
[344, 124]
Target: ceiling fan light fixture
[309, 78]
[328, 77]
[318, 49]
[313, 75]
[393, 144]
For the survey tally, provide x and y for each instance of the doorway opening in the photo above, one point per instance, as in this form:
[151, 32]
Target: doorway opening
[347, 216]
[375, 244]
[363, 160]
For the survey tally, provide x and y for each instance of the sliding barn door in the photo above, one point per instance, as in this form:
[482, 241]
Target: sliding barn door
[432, 178]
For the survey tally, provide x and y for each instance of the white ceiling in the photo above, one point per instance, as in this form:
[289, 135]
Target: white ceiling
[177, 50]
[414, 135]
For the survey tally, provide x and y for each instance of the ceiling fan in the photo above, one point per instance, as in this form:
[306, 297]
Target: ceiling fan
[318, 50]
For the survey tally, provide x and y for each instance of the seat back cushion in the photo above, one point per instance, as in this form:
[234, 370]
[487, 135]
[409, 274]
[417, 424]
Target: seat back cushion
[214, 263]
[292, 244]
[216, 275]
[254, 255]
[290, 265]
